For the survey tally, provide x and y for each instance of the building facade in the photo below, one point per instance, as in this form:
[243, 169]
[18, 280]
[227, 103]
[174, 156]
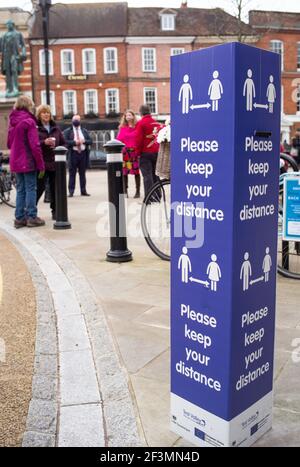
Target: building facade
[108, 57]
[280, 33]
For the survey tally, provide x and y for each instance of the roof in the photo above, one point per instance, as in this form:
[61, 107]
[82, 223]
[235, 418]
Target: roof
[83, 20]
[189, 22]
[274, 20]
[116, 19]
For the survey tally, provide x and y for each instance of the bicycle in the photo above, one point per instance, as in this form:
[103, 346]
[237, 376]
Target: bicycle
[8, 192]
[288, 253]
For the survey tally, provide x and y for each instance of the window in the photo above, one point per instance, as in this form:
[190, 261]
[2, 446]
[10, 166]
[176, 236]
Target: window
[67, 62]
[277, 47]
[167, 22]
[149, 60]
[43, 62]
[298, 56]
[111, 60]
[89, 61]
[52, 101]
[69, 102]
[150, 98]
[177, 51]
[112, 101]
[90, 101]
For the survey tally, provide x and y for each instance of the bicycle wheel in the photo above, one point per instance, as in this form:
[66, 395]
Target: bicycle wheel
[156, 219]
[8, 192]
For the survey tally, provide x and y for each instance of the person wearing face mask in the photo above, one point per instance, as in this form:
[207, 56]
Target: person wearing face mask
[78, 143]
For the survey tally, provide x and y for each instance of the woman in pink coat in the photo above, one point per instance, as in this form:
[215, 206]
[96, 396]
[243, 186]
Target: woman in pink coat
[127, 135]
[25, 160]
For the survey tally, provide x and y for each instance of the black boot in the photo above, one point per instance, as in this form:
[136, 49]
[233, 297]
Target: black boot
[137, 186]
[125, 182]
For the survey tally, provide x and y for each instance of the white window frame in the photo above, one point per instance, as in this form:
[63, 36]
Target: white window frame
[84, 68]
[298, 56]
[64, 101]
[42, 62]
[117, 100]
[167, 22]
[52, 101]
[86, 101]
[153, 49]
[148, 88]
[63, 73]
[182, 50]
[275, 49]
[107, 49]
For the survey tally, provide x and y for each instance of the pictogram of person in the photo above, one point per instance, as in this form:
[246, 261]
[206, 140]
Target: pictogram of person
[215, 91]
[214, 273]
[185, 94]
[249, 91]
[185, 265]
[246, 272]
[271, 94]
[267, 265]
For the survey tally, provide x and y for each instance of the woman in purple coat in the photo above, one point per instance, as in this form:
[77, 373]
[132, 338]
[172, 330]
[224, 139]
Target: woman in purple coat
[25, 160]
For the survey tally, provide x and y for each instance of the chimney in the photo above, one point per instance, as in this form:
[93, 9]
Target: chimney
[184, 4]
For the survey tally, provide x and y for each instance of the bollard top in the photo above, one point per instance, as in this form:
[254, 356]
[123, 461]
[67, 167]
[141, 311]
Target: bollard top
[114, 145]
[60, 150]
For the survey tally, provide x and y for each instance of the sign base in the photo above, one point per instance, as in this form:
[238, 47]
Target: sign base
[207, 430]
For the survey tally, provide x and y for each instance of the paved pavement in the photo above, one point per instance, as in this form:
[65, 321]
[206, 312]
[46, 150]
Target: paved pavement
[113, 332]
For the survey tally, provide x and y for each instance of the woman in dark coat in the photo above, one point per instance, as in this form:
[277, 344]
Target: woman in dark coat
[50, 137]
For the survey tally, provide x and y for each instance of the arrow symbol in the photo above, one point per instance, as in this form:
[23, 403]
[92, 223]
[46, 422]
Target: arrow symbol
[261, 106]
[260, 279]
[200, 106]
[205, 283]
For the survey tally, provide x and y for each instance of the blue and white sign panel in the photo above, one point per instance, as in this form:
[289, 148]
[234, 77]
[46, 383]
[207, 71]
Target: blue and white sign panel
[225, 172]
[291, 211]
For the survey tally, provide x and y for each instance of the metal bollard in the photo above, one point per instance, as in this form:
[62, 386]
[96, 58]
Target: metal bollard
[62, 222]
[118, 252]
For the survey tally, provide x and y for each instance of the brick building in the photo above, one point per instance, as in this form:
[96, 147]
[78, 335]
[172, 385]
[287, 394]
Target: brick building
[106, 57]
[280, 32]
[87, 62]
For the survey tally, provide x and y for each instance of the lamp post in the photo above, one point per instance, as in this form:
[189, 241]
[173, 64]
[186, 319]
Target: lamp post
[45, 6]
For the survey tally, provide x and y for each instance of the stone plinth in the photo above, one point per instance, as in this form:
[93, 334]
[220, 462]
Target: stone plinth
[6, 106]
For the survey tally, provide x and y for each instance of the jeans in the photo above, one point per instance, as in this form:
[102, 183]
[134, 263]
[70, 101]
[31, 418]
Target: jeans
[26, 195]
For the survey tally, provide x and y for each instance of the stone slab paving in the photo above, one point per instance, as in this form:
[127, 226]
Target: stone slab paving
[91, 383]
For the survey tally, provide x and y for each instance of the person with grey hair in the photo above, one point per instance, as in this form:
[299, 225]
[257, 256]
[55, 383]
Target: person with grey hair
[13, 54]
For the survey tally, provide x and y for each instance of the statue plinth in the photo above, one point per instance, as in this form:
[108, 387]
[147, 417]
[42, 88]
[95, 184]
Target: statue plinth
[6, 106]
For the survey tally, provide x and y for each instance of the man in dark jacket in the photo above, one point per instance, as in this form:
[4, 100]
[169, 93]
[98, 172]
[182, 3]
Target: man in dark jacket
[147, 146]
[78, 142]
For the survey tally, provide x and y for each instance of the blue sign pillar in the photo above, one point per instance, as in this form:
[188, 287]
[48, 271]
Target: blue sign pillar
[225, 177]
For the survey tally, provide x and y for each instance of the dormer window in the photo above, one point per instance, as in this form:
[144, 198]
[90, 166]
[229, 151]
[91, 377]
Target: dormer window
[167, 22]
[167, 19]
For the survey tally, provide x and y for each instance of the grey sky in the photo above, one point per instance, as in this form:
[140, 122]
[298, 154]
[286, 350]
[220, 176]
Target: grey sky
[275, 5]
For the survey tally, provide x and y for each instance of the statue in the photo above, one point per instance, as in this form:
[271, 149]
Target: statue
[13, 51]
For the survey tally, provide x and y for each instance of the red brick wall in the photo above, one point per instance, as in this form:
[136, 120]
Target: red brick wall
[100, 81]
[290, 75]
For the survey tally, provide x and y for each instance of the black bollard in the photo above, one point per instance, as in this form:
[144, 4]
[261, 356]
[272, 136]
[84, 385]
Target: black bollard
[118, 252]
[62, 222]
